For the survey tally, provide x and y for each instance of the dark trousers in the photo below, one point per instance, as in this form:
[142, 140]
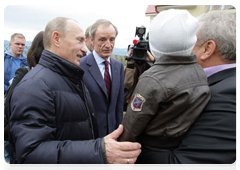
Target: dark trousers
[153, 156]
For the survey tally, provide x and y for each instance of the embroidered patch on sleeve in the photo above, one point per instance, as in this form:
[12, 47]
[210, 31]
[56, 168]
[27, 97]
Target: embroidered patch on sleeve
[137, 102]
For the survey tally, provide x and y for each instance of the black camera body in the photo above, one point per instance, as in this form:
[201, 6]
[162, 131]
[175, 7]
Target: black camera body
[140, 47]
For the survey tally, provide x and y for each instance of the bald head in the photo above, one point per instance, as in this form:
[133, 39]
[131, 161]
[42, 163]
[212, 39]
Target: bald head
[65, 38]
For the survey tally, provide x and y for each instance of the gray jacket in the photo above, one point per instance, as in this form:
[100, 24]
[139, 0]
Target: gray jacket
[167, 100]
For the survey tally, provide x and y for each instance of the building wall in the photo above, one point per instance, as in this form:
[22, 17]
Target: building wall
[198, 10]
[152, 16]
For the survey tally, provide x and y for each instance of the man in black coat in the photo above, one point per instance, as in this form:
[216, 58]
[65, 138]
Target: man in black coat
[212, 138]
[52, 117]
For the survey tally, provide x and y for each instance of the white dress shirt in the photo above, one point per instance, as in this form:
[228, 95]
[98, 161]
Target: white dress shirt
[100, 62]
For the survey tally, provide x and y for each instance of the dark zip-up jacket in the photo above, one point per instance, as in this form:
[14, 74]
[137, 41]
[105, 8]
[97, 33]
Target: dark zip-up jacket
[52, 117]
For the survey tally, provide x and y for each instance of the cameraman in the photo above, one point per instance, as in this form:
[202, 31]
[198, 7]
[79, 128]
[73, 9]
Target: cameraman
[132, 72]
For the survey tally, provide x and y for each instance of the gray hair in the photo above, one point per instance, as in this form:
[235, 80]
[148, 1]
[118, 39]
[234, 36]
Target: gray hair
[101, 22]
[221, 28]
[59, 24]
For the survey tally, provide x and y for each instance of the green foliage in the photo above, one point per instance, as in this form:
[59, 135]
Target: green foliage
[120, 58]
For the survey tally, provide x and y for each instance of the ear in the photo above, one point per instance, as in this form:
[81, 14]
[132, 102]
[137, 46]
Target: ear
[209, 48]
[56, 38]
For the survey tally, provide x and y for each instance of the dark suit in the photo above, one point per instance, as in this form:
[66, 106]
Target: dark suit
[212, 138]
[109, 113]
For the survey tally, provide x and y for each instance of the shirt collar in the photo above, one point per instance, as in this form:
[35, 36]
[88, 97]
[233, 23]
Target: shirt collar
[99, 59]
[212, 70]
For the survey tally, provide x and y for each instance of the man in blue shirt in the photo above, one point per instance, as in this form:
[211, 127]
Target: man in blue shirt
[14, 58]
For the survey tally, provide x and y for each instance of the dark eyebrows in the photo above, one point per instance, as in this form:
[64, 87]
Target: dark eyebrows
[82, 38]
[104, 38]
[19, 43]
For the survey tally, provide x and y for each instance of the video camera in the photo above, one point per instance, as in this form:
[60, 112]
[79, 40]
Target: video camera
[140, 47]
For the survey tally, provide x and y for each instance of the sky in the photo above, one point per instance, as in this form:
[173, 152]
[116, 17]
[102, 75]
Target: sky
[30, 19]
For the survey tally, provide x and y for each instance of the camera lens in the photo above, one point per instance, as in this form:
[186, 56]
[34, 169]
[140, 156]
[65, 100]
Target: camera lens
[141, 31]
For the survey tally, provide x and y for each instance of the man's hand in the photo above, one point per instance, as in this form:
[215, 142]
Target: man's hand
[120, 152]
[150, 57]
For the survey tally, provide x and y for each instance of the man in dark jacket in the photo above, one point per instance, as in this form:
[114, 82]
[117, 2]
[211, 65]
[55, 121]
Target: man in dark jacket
[212, 138]
[52, 116]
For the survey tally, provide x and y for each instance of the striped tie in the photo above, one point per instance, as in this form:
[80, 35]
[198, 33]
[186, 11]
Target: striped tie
[107, 78]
